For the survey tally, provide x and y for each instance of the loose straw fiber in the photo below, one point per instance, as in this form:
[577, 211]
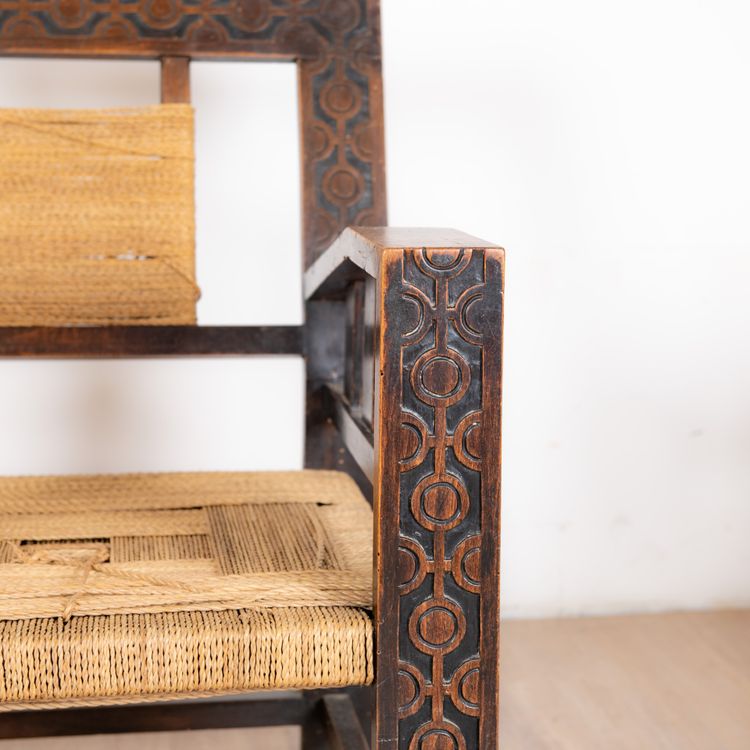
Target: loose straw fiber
[97, 216]
[115, 588]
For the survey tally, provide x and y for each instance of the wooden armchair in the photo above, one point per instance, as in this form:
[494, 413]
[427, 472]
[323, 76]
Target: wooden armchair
[187, 586]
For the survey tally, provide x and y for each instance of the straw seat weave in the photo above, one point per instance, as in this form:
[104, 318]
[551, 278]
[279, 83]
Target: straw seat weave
[137, 587]
[97, 219]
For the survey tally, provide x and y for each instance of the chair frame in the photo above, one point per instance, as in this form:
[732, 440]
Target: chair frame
[403, 342]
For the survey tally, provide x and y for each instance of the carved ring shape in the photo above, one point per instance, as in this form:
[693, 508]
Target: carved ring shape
[412, 565]
[464, 688]
[437, 626]
[467, 440]
[411, 689]
[438, 735]
[466, 564]
[440, 378]
[442, 263]
[440, 501]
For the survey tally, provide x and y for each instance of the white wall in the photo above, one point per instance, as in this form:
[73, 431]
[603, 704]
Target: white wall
[605, 145]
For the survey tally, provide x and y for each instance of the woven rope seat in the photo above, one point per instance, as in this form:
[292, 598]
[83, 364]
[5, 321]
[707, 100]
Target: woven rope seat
[136, 587]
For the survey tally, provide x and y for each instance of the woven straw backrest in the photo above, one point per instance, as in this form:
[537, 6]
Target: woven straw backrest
[97, 216]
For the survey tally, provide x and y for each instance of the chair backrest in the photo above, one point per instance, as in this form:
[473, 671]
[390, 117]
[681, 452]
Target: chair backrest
[97, 217]
[335, 43]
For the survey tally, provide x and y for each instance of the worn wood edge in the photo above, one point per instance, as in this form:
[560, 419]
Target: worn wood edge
[357, 250]
[385, 512]
[146, 341]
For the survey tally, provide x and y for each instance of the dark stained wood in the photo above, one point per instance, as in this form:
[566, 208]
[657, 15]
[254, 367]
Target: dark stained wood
[149, 341]
[343, 727]
[175, 80]
[355, 343]
[356, 436]
[325, 342]
[357, 251]
[437, 494]
[324, 447]
[336, 44]
[282, 711]
[314, 735]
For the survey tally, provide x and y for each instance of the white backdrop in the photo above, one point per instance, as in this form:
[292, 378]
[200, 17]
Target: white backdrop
[605, 145]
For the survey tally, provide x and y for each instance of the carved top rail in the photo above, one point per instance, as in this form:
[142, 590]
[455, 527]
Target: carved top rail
[271, 29]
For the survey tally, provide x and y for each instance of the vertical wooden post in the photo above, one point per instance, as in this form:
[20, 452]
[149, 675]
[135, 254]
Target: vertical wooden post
[341, 125]
[437, 498]
[175, 80]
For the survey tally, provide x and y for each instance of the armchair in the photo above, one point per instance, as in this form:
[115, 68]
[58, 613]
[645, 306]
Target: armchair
[403, 346]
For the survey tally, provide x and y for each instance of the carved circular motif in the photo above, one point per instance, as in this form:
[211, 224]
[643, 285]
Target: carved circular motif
[438, 735]
[340, 15]
[411, 441]
[251, 15]
[114, 31]
[161, 13]
[466, 564]
[363, 141]
[443, 263]
[464, 688]
[467, 321]
[411, 689]
[342, 185]
[207, 33]
[341, 99]
[467, 441]
[439, 501]
[437, 626]
[440, 378]
[411, 566]
[320, 142]
[414, 445]
[70, 13]
[414, 319]
[24, 28]
[438, 740]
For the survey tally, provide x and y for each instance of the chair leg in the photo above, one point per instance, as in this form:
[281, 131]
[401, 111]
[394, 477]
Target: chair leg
[314, 736]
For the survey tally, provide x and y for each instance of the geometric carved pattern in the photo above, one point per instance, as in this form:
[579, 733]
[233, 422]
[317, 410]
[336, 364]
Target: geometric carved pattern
[337, 45]
[447, 307]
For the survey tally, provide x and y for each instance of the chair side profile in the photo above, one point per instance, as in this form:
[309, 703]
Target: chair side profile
[403, 346]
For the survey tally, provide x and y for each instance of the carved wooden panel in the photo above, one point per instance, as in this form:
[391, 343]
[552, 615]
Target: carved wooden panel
[337, 44]
[438, 498]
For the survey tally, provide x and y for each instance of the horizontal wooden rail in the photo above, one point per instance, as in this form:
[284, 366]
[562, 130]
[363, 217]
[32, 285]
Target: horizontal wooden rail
[149, 341]
[225, 714]
[356, 254]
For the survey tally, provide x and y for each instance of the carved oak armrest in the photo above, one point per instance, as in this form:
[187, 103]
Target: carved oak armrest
[425, 312]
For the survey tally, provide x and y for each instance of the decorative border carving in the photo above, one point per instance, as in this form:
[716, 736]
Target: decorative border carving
[337, 45]
[441, 341]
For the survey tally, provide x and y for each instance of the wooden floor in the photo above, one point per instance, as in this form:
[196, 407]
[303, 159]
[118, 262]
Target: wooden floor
[665, 682]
